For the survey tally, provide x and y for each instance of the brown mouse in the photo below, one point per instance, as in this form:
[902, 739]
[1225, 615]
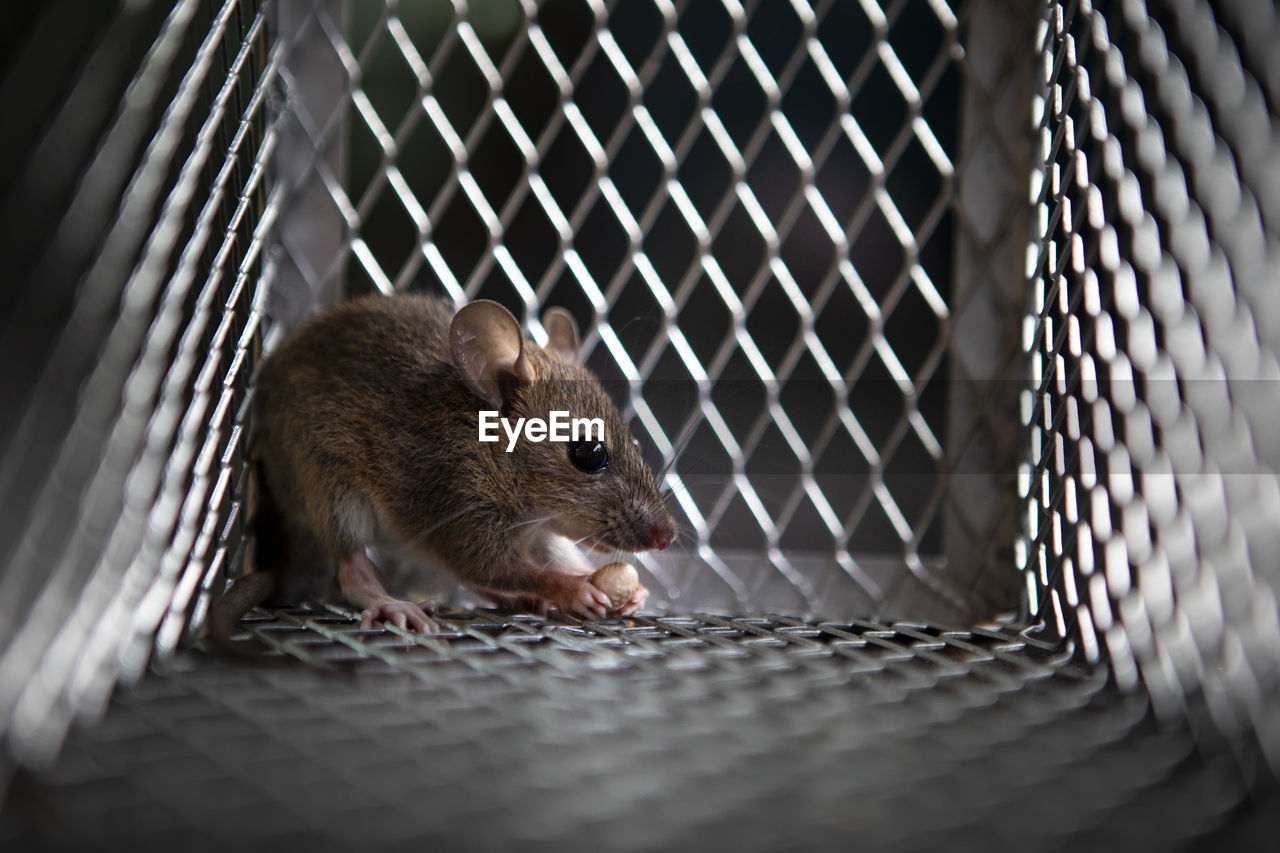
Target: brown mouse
[367, 426]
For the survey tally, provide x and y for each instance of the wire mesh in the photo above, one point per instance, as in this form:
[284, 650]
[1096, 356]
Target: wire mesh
[752, 211]
[817, 213]
[122, 463]
[1152, 498]
[730, 733]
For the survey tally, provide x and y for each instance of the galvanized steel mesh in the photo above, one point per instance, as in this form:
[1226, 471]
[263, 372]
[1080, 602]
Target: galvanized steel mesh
[753, 211]
[798, 236]
[1153, 503]
[136, 232]
[700, 731]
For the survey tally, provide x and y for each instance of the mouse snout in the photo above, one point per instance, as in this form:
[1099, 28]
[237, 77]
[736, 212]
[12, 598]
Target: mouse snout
[661, 532]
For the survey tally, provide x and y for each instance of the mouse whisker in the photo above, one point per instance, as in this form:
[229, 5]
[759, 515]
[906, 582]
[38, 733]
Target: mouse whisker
[671, 490]
[677, 449]
[448, 518]
[527, 522]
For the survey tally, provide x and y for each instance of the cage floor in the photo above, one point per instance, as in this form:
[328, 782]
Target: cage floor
[764, 733]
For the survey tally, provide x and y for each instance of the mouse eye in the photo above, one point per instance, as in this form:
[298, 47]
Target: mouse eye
[589, 456]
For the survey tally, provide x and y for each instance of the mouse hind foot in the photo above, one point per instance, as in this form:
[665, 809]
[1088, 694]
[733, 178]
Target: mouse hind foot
[361, 586]
[405, 615]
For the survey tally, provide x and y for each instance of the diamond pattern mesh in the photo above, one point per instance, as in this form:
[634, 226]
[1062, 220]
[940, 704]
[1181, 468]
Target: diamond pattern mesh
[1152, 497]
[126, 462]
[746, 734]
[796, 235]
[752, 211]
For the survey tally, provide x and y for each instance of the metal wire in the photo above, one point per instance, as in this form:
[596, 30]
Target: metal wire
[753, 213]
[1152, 498]
[735, 733]
[120, 530]
[828, 263]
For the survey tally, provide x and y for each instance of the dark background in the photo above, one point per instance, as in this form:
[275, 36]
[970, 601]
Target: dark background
[910, 326]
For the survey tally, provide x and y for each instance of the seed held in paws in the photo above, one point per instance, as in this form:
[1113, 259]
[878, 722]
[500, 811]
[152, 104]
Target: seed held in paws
[618, 581]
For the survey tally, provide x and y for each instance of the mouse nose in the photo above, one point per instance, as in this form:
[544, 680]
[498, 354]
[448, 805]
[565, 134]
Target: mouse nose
[661, 534]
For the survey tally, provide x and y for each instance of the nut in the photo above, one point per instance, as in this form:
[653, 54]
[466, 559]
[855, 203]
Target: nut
[616, 580]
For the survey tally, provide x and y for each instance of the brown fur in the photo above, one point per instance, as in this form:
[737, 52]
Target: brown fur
[362, 419]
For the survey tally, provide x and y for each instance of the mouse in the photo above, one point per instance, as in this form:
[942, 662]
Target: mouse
[373, 428]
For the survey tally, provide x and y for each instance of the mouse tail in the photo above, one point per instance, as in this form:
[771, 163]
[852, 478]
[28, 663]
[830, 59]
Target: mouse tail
[270, 550]
[245, 594]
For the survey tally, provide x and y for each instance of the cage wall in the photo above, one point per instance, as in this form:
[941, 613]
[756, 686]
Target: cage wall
[138, 210]
[755, 215]
[755, 212]
[1152, 500]
[798, 235]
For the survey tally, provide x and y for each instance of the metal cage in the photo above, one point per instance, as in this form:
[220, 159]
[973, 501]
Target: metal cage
[952, 327]
[756, 219]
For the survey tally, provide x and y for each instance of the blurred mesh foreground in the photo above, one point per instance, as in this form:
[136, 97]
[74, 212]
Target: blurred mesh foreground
[953, 327]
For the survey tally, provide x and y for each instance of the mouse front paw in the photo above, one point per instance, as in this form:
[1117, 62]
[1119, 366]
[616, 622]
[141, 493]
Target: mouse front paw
[583, 601]
[405, 615]
[638, 597]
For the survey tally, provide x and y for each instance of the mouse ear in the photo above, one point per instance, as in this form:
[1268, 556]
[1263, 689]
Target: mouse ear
[488, 350]
[562, 335]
